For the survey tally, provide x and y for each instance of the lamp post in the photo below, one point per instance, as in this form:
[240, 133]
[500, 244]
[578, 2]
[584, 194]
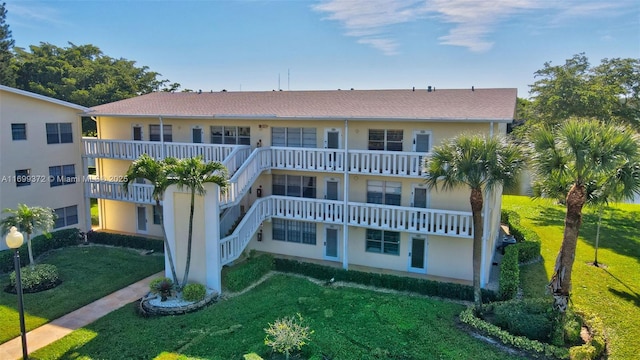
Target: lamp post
[14, 240]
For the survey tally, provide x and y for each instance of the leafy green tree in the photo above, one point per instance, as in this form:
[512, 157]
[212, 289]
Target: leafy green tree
[584, 160]
[193, 174]
[157, 173]
[481, 164]
[610, 91]
[82, 74]
[29, 220]
[7, 76]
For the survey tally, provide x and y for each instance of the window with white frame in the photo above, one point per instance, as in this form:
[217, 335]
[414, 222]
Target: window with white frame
[294, 231]
[18, 131]
[293, 137]
[231, 135]
[59, 133]
[154, 133]
[66, 216]
[386, 140]
[294, 185]
[23, 177]
[383, 242]
[62, 175]
[384, 192]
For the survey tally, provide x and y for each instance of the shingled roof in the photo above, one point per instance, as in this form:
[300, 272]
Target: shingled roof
[448, 104]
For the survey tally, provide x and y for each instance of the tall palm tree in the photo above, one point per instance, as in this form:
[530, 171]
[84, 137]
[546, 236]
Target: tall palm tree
[29, 220]
[193, 174]
[482, 164]
[583, 160]
[156, 172]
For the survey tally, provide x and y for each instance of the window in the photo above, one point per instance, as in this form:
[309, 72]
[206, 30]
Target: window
[293, 137]
[383, 242]
[59, 133]
[294, 231]
[294, 185]
[19, 131]
[23, 177]
[196, 135]
[154, 133]
[157, 215]
[386, 140]
[240, 135]
[66, 216]
[384, 192]
[137, 133]
[62, 175]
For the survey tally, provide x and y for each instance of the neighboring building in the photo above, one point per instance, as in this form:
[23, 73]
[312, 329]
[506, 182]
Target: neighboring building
[326, 175]
[40, 155]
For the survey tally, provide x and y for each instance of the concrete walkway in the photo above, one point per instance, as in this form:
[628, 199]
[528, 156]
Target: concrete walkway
[58, 328]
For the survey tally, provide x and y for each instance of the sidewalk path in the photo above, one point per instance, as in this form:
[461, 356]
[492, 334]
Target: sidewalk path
[58, 328]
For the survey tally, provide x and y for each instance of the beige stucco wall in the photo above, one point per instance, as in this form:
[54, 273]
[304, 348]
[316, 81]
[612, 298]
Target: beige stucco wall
[122, 216]
[35, 154]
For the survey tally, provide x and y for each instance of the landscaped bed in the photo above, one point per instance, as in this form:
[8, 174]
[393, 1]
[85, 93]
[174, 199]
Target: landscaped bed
[87, 274]
[347, 323]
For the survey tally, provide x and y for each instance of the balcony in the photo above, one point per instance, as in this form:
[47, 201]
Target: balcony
[375, 216]
[131, 150]
[112, 190]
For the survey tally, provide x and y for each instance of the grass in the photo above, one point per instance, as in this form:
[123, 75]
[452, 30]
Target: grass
[88, 273]
[612, 292]
[95, 215]
[347, 323]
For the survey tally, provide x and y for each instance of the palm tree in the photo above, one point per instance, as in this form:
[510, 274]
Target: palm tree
[482, 164]
[585, 161]
[193, 174]
[29, 220]
[156, 172]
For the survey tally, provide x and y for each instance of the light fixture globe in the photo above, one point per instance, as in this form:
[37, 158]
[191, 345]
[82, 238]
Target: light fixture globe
[14, 238]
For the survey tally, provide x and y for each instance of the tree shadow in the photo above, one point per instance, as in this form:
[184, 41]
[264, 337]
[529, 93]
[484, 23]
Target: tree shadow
[550, 216]
[631, 295]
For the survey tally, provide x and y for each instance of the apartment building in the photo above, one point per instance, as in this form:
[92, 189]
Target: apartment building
[325, 175]
[40, 155]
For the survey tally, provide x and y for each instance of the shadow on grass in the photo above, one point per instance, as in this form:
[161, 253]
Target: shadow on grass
[534, 280]
[618, 230]
[631, 295]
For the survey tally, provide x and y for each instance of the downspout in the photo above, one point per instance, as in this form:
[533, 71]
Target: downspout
[345, 214]
[161, 137]
[487, 195]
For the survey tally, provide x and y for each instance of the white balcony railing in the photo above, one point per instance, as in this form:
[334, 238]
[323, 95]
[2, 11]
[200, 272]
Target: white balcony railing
[112, 190]
[376, 216]
[131, 150]
[386, 163]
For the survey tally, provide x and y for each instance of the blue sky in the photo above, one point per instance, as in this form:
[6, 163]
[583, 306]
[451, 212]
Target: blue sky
[338, 44]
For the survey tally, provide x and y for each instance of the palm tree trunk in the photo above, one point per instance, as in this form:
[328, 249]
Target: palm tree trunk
[167, 247]
[600, 211]
[189, 240]
[560, 284]
[478, 230]
[31, 262]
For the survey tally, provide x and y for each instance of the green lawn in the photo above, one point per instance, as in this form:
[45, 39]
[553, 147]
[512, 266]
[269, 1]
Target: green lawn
[613, 292]
[88, 273]
[348, 324]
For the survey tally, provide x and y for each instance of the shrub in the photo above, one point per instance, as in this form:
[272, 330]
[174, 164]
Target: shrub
[40, 277]
[532, 318]
[240, 276]
[40, 244]
[162, 286]
[130, 241]
[572, 327]
[287, 335]
[420, 286]
[509, 274]
[194, 292]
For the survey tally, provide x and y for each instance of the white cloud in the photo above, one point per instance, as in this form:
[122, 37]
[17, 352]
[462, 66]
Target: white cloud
[31, 13]
[472, 21]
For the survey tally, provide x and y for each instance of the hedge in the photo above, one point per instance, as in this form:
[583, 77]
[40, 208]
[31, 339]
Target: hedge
[420, 286]
[40, 244]
[526, 249]
[240, 276]
[130, 241]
